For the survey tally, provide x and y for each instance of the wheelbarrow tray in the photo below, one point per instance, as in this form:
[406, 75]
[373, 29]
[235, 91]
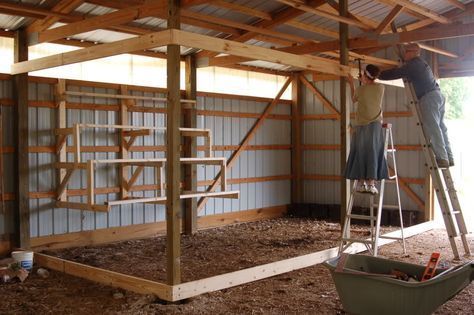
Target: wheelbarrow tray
[364, 287]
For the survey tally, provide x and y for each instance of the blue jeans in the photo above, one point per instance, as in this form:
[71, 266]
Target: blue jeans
[432, 118]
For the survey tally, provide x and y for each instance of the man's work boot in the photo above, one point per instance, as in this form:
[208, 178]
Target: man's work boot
[442, 163]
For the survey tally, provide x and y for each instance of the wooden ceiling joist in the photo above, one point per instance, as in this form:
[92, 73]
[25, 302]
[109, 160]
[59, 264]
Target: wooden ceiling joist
[142, 42]
[184, 39]
[434, 33]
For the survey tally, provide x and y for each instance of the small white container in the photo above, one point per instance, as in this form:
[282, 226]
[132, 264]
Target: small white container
[24, 258]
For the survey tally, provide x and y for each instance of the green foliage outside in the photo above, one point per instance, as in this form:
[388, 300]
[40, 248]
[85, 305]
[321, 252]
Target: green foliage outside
[456, 91]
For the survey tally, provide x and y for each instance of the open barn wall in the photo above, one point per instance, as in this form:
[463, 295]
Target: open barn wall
[321, 143]
[262, 173]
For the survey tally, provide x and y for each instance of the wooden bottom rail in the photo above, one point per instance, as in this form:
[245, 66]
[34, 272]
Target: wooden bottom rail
[194, 288]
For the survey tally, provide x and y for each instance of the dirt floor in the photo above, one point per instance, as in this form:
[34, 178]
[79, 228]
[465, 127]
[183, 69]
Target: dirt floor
[213, 252]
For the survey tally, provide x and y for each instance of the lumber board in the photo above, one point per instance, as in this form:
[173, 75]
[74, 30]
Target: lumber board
[107, 277]
[228, 280]
[82, 206]
[147, 41]
[249, 51]
[220, 194]
[124, 96]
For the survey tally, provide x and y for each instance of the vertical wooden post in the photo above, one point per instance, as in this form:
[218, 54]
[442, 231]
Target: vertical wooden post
[62, 155]
[21, 134]
[173, 142]
[296, 156]
[345, 109]
[76, 134]
[190, 147]
[123, 120]
[90, 183]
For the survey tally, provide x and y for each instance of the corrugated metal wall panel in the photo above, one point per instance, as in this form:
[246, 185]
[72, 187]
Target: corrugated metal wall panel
[45, 219]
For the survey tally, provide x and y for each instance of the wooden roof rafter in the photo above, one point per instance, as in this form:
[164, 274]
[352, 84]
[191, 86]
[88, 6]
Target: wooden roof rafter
[418, 9]
[62, 6]
[102, 21]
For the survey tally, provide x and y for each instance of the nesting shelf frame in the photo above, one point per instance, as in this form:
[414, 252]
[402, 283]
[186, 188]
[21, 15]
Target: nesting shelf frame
[128, 135]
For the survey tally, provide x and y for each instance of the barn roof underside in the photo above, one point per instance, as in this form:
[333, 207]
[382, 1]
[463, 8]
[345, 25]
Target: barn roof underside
[278, 24]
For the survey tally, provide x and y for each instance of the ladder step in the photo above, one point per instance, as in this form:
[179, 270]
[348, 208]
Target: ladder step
[391, 150]
[391, 179]
[362, 217]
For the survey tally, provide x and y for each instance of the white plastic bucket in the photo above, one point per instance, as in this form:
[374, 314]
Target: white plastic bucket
[24, 258]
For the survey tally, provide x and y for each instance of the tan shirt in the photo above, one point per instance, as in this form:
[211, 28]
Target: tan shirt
[369, 106]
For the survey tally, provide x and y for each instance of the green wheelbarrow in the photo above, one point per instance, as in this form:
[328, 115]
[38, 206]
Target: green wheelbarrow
[365, 286]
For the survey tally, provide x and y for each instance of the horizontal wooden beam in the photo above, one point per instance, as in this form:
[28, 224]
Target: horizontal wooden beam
[106, 277]
[209, 43]
[232, 279]
[142, 42]
[385, 40]
[193, 288]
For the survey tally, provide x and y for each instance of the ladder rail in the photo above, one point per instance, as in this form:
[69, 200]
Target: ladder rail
[442, 180]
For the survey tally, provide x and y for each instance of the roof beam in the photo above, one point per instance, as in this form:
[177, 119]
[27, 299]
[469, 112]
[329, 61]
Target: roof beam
[313, 29]
[248, 51]
[142, 42]
[241, 9]
[434, 33]
[457, 4]
[303, 7]
[101, 21]
[453, 15]
[63, 7]
[389, 19]
[418, 9]
[182, 38]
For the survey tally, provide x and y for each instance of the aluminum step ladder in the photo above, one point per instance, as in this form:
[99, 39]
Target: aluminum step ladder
[443, 184]
[372, 243]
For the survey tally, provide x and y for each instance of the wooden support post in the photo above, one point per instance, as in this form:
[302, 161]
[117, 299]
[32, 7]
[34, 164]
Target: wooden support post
[223, 176]
[123, 120]
[159, 181]
[63, 174]
[90, 183]
[21, 136]
[345, 109]
[190, 147]
[76, 131]
[173, 178]
[296, 157]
